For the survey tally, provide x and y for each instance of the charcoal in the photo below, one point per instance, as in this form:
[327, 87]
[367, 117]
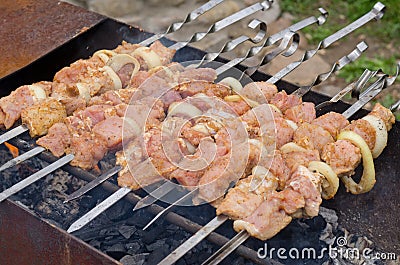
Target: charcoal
[116, 251]
[95, 243]
[138, 259]
[158, 244]
[152, 234]
[126, 231]
[117, 211]
[157, 255]
[133, 247]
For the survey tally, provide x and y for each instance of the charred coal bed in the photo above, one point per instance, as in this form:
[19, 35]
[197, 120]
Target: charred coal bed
[118, 231]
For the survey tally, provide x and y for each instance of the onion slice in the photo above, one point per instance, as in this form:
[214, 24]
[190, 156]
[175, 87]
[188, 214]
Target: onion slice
[233, 83]
[381, 134]
[368, 180]
[330, 181]
[84, 91]
[292, 147]
[37, 92]
[292, 124]
[149, 56]
[104, 55]
[114, 77]
[184, 109]
[118, 61]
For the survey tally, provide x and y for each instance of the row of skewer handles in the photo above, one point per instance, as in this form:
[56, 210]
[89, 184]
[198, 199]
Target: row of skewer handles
[115, 62]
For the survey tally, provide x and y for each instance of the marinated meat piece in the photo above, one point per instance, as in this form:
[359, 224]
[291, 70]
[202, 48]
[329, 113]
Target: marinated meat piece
[277, 166]
[125, 74]
[169, 97]
[87, 150]
[308, 185]
[333, 122]
[57, 139]
[204, 74]
[312, 136]
[77, 70]
[283, 101]
[126, 47]
[192, 88]
[113, 97]
[300, 158]
[138, 176]
[365, 130]
[384, 114]
[153, 86]
[342, 156]
[69, 96]
[239, 106]
[92, 115]
[292, 201]
[21, 98]
[165, 53]
[187, 178]
[261, 92]
[42, 115]
[147, 112]
[139, 78]
[110, 132]
[305, 112]
[283, 134]
[266, 221]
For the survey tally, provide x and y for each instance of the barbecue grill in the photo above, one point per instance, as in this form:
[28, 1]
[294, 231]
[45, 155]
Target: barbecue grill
[26, 237]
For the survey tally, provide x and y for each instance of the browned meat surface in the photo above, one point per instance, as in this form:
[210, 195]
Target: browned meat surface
[165, 53]
[342, 156]
[365, 130]
[284, 101]
[308, 185]
[305, 112]
[312, 136]
[384, 114]
[19, 99]
[205, 74]
[42, 115]
[261, 92]
[333, 122]
[188, 89]
[57, 139]
[300, 158]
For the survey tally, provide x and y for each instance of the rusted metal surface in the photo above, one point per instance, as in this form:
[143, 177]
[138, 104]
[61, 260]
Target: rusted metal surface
[26, 239]
[30, 28]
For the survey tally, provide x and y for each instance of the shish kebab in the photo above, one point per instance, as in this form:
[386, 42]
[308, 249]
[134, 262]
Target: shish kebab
[245, 195]
[97, 75]
[375, 13]
[125, 179]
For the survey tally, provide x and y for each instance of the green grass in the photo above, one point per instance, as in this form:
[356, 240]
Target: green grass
[342, 13]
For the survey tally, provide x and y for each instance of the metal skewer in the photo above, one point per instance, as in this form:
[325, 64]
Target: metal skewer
[154, 196]
[21, 158]
[34, 177]
[12, 133]
[223, 23]
[243, 235]
[372, 91]
[192, 16]
[97, 181]
[376, 13]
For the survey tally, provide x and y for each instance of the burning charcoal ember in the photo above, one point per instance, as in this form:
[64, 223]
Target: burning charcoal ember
[138, 259]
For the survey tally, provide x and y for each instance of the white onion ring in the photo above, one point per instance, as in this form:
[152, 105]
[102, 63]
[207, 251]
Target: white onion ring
[233, 83]
[330, 181]
[118, 61]
[149, 56]
[292, 147]
[380, 132]
[104, 55]
[275, 108]
[114, 77]
[368, 180]
[184, 108]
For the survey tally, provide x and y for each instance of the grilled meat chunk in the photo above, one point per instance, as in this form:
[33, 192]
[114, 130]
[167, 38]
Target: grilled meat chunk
[384, 114]
[312, 136]
[342, 156]
[305, 112]
[261, 92]
[333, 122]
[365, 130]
[283, 101]
[57, 139]
[42, 115]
